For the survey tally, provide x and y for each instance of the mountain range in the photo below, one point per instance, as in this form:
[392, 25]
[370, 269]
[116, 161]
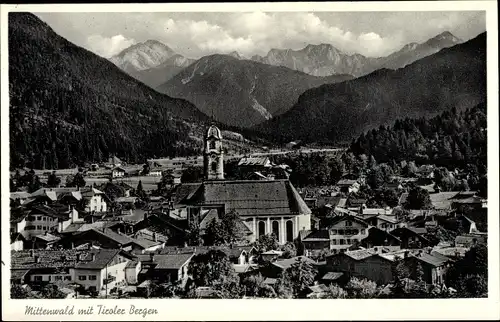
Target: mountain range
[151, 62]
[68, 105]
[333, 113]
[241, 92]
[325, 59]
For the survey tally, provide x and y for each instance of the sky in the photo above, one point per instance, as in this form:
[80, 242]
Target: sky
[195, 34]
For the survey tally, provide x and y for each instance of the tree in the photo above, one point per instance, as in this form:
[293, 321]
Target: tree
[192, 174]
[254, 286]
[335, 292]
[289, 250]
[52, 291]
[337, 170]
[361, 288]
[35, 184]
[375, 178]
[78, 180]
[19, 292]
[266, 243]
[213, 269]
[53, 181]
[418, 198]
[227, 230]
[299, 276]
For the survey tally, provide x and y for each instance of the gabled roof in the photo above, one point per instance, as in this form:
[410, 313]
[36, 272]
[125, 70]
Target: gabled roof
[350, 218]
[259, 197]
[19, 195]
[15, 237]
[253, 161]
[49, 238]
[346, 182]
[166, 261]
[332, 276]
[287, 263]
[317, 235]
[432, 259]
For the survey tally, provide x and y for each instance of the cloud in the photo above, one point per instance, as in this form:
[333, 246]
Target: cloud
[195, 34]
[108, 46]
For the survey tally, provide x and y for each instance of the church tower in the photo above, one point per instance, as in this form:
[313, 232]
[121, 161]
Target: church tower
[213, 155]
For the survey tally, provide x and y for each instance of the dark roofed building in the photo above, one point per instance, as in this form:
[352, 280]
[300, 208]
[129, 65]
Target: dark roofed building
[379, 237]
[265, 206]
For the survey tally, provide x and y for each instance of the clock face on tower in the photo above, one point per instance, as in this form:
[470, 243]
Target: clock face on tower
[213, 155]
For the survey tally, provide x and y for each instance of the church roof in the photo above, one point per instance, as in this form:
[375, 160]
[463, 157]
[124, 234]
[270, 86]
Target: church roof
[213, 131]
[251, 197]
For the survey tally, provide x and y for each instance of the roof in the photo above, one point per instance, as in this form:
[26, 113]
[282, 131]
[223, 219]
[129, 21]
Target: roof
[65, 258]
[251, 197]
[253, 161]
[328, 200]
[317, 235]
[118, 238]
[350, 218]
[48, 237]
[213, 131]
[435, 259]
[469, 239]
[126, 199]
[469, 200]
[442, 200]
[377, 211]
[346, 182]
[451, 251]
[359, 254]
[286, 263]
[19, 195]
[356, 202]
[318, 288]
[167, 261]
[387, 218]
[270, 281]
[15, 237]
[184, 191]
[403, 198]
[211, 215]
[244, 268]
[273, 252]
[418, 230]
[332, 276]
[16, 274]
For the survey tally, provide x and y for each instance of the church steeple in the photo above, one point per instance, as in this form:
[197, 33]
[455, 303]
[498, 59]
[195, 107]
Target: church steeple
[213, 156]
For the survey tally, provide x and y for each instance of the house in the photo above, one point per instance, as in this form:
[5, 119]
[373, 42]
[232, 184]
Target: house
[97, 270]
[348, 185]
[379, 237]
[114, 189]
[108, 239]
[165, 268]
[469, 226]
[383, 222]
[356, 203]
[314, 241]
[411, 237]
[434, 265]
[17, 241]
[174, 230]
[118, 172]
[132, 272]
[155, 171]
[20, 196]
[346, 231]
[44, 241]
[178, 207]
[127, 202]
[470, 240]
[254, 163]
[333, 277]
[363, 263]
[277, 268]
[33, 220]
[443, 200]
[97, 201]
[271, 255]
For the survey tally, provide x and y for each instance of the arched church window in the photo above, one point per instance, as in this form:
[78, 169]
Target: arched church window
[212, 144]
[289, 231]
[276, 230]
[214, 166]
[262, 228]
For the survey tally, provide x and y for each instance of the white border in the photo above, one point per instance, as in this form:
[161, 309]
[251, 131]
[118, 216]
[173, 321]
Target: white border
[183, 310]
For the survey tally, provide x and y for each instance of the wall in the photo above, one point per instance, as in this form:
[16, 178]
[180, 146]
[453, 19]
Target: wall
[38, 225]
[96, 204]
[63, 278]
[303, 222]
[131, 273]
[374, 268]
[340, 240]
[86, 273]
[17, 245]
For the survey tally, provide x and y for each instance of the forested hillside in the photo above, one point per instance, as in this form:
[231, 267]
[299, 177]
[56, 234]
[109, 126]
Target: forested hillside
[68, 105]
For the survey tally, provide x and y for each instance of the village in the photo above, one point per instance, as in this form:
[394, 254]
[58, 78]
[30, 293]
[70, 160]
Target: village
[219, 226]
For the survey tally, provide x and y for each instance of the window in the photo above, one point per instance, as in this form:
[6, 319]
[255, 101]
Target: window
[58, 278]
[348, 223]
[92, 277]
[355, 231]
[334, 231]
[384, 225]
[38, 218]
[39, 227]
[334, 242]
[31, 218]
[214, 166]
[29, 228]
[82, 278]
[44, 218]
[38, 278]
[67, 278]
[341, 232]
[50, 278]
[342, 242]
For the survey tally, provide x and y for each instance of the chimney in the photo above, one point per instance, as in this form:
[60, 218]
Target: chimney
[37, 259]
[78, 257]
[429, 250]
[155, 237]
[93, 257]
[72, 245]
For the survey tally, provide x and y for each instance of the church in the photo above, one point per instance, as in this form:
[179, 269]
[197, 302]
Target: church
[264, 206]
